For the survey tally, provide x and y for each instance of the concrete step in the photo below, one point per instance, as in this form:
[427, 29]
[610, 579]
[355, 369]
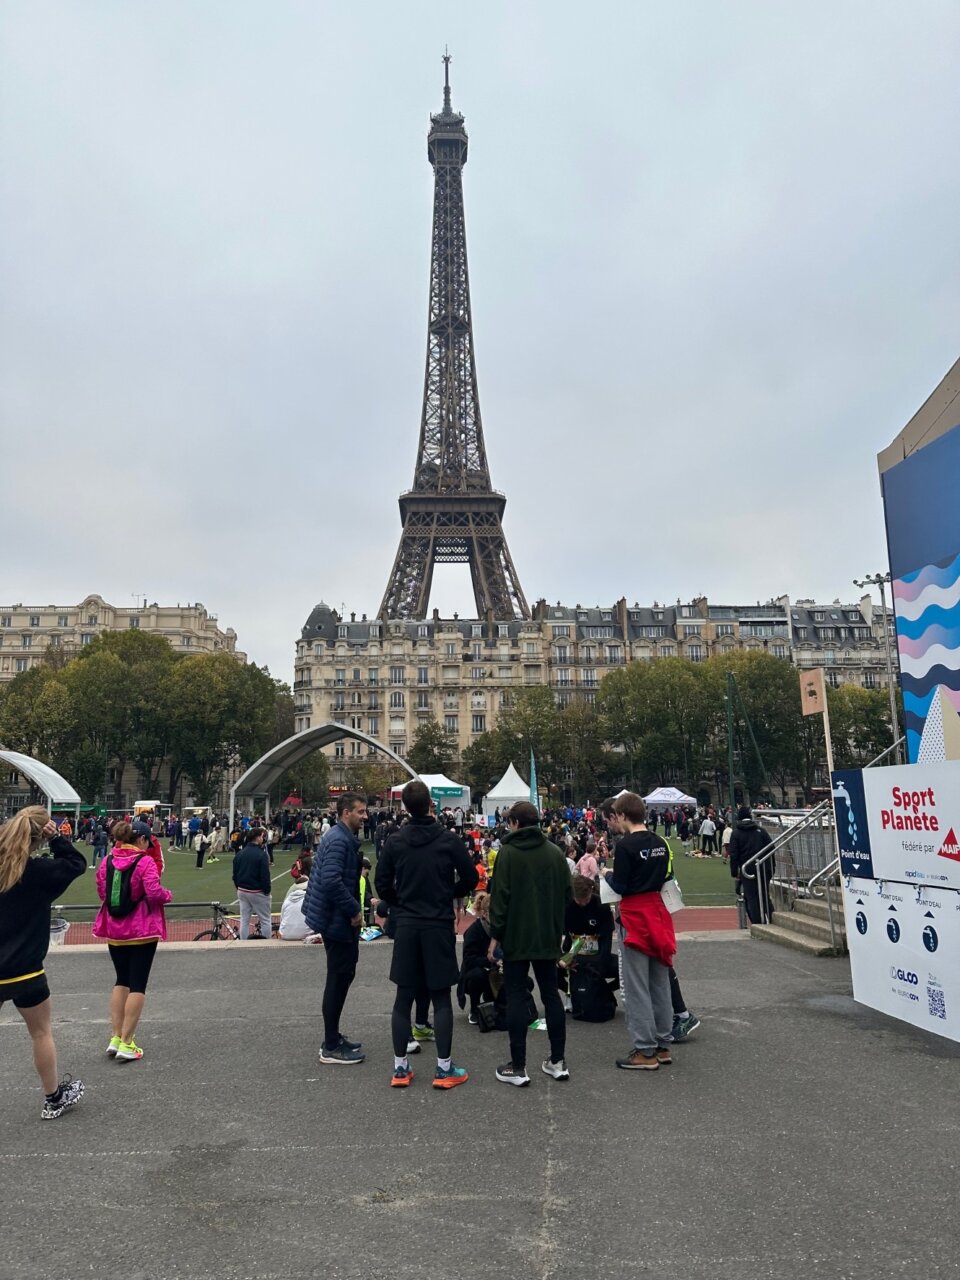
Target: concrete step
[809, 926]
[787, 938]
[815, 908]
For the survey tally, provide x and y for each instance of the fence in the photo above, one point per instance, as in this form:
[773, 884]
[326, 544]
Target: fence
[185, 920]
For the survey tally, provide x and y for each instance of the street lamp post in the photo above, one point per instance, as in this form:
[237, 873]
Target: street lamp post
[880, 580]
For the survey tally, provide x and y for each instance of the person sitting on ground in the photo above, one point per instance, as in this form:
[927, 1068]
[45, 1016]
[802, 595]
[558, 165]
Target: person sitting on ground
[476, 966]
[293, 927]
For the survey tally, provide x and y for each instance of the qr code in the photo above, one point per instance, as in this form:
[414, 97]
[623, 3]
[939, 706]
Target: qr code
[936, 1003]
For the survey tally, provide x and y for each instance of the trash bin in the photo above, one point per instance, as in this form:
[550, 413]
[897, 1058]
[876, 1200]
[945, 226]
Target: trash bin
[58, 931]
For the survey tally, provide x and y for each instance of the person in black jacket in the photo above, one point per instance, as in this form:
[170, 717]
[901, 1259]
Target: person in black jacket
[28, 886]
[251, 875]
[476, 966]
[422, 869]
[749, 838]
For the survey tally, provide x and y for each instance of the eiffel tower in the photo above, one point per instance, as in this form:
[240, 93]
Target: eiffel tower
[452, 515]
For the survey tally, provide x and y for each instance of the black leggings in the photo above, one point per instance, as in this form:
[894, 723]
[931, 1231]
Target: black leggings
[132, 964]
[442, 1020]
[676, 995]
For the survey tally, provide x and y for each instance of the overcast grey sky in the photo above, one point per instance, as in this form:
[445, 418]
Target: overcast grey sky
[714, 265]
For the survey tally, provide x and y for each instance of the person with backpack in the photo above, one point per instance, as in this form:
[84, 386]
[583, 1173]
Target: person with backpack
[131, 921]
[28, 886]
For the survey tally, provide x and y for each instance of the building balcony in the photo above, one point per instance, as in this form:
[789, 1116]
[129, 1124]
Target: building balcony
[302, 684]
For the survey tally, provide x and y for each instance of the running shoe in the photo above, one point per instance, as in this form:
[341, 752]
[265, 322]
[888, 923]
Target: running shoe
[450, 1079]
[509, 1074]
[128, 1052]
[663, 1057]
[352, 1045]
[402, 1076]
[556, 1069]
[68, 1095]
[113, 1046]
[413, 1046]
[473, 1019]
[423, 1033]
[684, 1027]
[341, 1055]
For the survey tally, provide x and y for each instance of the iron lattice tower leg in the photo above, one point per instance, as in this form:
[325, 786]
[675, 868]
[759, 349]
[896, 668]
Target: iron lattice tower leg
[452, 514]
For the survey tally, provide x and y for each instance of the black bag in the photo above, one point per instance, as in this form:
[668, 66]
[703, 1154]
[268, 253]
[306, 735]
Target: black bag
[591, 997]
[492, 1016]
[118, 897]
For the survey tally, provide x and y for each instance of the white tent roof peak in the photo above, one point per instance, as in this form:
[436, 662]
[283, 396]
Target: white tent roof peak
[510, 787]
[668, 795]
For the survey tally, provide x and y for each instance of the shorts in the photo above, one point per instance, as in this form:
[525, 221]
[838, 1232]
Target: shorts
[26, 993]
[132, 964]
[424, 957]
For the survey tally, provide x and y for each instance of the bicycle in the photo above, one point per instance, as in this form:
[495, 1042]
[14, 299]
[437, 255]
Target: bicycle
[227, 927]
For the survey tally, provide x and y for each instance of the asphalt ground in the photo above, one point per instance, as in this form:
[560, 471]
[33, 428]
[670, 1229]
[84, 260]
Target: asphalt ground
[796, 1134]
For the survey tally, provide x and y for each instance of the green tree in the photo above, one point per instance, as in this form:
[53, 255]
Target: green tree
[372, 778]
[101, 688]
[484, 762]
[310, 780]
[433, 750]
[859, 724]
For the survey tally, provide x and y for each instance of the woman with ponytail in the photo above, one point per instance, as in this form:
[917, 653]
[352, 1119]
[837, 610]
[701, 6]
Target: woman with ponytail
[28, 886]
[131, 921]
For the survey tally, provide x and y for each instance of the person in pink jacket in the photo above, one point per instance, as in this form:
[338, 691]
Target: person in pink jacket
[131, 921]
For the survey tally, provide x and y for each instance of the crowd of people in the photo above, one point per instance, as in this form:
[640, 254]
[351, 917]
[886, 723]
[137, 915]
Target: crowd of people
[547, 893]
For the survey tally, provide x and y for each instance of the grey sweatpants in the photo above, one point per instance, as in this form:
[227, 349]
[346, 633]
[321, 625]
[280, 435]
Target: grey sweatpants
[255, 902]
[645, 984]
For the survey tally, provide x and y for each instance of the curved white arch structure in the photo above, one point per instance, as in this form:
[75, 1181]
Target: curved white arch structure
[57, 790]
[263, 773]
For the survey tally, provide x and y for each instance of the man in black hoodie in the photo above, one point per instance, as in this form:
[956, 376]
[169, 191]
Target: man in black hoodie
[749, 838]
[422, 869]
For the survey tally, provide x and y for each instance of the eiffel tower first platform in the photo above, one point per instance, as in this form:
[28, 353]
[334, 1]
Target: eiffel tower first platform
[452, 514]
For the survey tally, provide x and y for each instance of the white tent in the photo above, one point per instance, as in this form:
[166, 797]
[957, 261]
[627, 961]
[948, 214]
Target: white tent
[508, 791]
[668, 796]
[446, 793]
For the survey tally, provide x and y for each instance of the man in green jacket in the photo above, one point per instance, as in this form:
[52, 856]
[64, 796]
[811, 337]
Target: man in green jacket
[529, 895]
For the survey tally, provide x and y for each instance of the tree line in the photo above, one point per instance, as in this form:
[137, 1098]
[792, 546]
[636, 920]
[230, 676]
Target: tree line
[664, 723]
[128, 698]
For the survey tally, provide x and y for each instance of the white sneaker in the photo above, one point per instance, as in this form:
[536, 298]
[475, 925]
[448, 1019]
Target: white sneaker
[413, 1046]
[556, 1069]
[567, 1002]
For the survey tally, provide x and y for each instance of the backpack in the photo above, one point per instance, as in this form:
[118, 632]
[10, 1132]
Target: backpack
[590, 995]
[118, 898]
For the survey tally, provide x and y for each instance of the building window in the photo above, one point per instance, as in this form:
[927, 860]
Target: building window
[21, 664]
[26, 642]
[134, 624]
[478, 724]
[338, 751]
[828, 657]
[86, 638]
[598, 633]
[693, 630]
[34, 619]
[529, 648]
[503, 629]
[779, 651]
[396, 675]
[563, 653]
[504, 673]
[476, 630]
[563, 676]
[373, 726]
[477, 652]
[450, 649]
[423, 700]
[54, 641]
[186, 641]
[833, 679]
[356, 699]
[451, 724]
[666, 651]
[373, 675]
[342, 632]
[561, 633]
[725, 629]
[589, 679]
[870, 680]
[396, 701]
[6, 620]
[375, 632]
[423, 631]
[339, 701]
[477, 673]
[606, 616]
[340, 675]
[695, 652]
[91, 619]
[423, 675]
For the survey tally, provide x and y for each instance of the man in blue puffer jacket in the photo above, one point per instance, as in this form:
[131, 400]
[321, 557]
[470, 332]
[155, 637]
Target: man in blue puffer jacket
[332, 908]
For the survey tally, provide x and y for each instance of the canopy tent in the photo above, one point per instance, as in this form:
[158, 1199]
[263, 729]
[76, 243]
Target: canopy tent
[668, 796]
[446, 793]
[508, 791]
[58, 791]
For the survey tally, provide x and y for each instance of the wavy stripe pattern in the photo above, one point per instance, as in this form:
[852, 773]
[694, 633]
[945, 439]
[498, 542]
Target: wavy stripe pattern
[940, 575]
[911, 609]
[927, 606]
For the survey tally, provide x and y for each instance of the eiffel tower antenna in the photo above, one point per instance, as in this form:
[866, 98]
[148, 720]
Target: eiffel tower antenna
[452, 514]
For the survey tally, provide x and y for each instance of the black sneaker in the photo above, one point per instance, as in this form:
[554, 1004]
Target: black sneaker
[473, 1019]
[68, 1095]
[352, 1045]
[509, 1074]
[341, 1055]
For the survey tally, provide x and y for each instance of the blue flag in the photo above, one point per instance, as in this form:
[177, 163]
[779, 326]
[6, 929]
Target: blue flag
[534, 798]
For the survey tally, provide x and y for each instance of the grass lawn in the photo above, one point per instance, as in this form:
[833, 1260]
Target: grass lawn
[705, 882]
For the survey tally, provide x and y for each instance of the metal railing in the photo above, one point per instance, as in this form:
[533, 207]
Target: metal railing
[803, 860]
[184, 919]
